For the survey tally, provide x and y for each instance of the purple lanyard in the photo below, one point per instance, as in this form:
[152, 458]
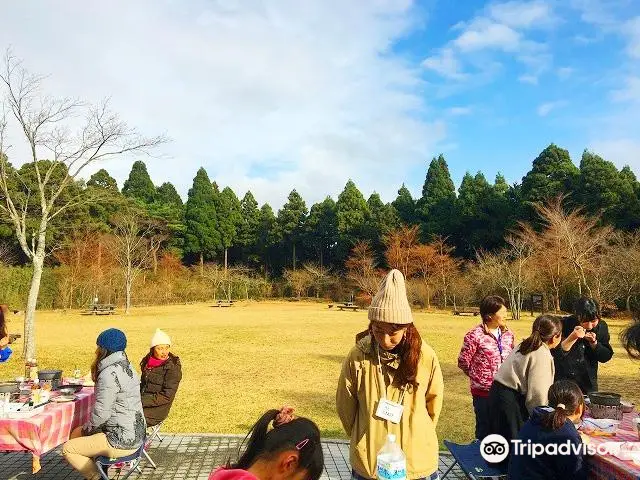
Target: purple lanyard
[500, 342]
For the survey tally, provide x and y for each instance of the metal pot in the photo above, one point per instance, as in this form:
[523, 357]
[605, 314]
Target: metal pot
[605, 398]
[9, 387]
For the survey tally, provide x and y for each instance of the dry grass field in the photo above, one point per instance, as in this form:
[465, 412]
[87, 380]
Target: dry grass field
[239, 361]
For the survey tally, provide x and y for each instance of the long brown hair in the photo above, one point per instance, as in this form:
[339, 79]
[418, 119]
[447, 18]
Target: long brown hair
[4, 309]
[568, 395]
[409, 351]
[544, 328]
[101, 354]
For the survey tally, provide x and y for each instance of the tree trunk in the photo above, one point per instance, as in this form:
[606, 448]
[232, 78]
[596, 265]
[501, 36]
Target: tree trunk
[29, 349]
[155, 260]
[128, 282]
[628, 303]
[226, 250]
[294, 256]
[201, 265]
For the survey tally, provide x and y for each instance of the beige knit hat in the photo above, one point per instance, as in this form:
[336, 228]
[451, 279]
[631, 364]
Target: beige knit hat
[390, 305]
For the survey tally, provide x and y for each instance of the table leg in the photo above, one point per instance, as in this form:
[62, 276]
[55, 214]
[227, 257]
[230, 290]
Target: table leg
[35, 462]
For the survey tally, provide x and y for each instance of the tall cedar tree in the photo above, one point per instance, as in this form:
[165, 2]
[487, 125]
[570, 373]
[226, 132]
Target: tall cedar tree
[202, 236]
[139, 184]
[291, 222]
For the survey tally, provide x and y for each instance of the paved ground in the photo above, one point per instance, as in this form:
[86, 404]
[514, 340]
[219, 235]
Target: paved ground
[184, 457]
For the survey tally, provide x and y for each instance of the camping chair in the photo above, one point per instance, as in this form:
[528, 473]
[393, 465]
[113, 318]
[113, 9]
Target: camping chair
[133, 461]
[154, 432]
[470, 461]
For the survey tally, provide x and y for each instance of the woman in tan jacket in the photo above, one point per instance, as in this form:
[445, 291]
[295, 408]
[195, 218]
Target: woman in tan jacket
[391, 364]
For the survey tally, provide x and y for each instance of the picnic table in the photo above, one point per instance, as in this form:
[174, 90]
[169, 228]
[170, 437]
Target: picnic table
[224, 303]
[101, 309]
[45, 431]
[467, 311]
[605, 467]
[348, 306]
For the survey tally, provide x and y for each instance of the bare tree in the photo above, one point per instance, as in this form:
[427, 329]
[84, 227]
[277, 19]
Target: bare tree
[581, 236]
[549, 260]
[624, 265]
[426, 263]
[132, 249]
[446, 266]
[45, 124]
[362, 268]
[215, 274]
[320, 276]
[400, 250]
[299, 280]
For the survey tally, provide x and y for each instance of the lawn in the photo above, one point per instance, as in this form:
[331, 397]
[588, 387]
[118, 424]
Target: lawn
[239, 361]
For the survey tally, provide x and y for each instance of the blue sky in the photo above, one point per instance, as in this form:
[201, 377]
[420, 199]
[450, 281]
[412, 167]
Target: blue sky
[275, 95]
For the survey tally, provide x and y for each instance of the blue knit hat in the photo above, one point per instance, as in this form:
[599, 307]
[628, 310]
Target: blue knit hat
[113, 340]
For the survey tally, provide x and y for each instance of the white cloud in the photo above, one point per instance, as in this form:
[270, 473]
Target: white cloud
[446, 64]
[460, 111]
[530, 79]
[523, 14]
[500, 28]
[285, 88]
[546, 108]
[487, 35]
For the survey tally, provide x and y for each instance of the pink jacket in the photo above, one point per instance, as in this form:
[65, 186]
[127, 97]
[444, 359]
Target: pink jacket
[480, 357]
[231, 474]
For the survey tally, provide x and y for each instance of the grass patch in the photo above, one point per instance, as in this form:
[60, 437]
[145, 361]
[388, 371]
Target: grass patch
[240, 361]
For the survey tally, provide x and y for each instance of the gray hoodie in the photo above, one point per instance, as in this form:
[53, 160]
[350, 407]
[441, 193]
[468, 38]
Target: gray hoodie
[118, 408]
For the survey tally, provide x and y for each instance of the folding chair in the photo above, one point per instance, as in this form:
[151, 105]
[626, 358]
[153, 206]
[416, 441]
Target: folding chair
[470, 461]
[133, 460]
[154, 432]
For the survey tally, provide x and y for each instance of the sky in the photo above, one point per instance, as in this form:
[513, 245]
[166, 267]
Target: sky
[307, 94]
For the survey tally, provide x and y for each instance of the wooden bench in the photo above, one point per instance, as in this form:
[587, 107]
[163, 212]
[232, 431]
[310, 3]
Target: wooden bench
[101, 309]
[224, 303]
[348, 306]
[469, 312]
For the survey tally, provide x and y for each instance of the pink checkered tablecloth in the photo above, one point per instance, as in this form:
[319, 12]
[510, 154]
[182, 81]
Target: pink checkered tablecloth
[610, 467]
[45, 431]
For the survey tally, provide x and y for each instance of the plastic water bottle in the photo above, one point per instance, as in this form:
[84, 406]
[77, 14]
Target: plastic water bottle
[391, 461]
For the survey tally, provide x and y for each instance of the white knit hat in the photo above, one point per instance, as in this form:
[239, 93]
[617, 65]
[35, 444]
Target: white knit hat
[160, 338]
[390, 305]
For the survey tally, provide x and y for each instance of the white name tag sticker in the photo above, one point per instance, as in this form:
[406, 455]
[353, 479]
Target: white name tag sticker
[388, 410]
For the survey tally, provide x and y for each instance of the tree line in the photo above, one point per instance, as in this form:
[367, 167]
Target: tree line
[215, 225]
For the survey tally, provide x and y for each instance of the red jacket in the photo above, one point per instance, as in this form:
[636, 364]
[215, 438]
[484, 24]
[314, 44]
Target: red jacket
[480, 357]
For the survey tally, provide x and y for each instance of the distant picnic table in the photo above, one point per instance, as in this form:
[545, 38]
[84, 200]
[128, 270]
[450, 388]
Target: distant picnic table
[467, 311]
[223, 303]
[346, 306]
[101, 309]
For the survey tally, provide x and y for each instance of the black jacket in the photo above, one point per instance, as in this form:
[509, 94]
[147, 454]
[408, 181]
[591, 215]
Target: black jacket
[580, 364]
[158, 388]
[548, 467]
